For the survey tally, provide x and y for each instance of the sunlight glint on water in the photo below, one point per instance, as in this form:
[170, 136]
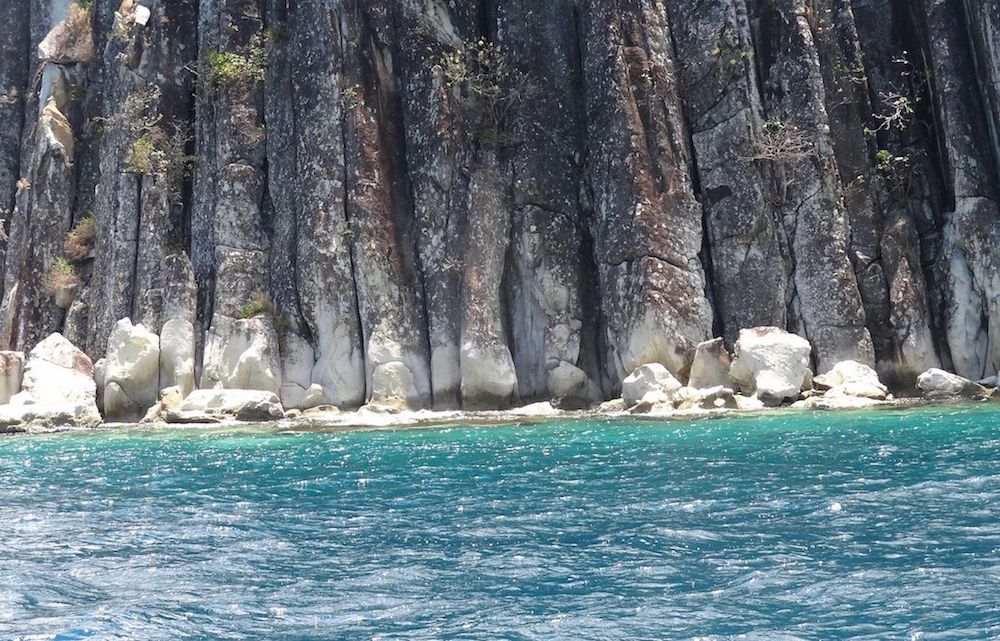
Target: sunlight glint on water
[810, 526]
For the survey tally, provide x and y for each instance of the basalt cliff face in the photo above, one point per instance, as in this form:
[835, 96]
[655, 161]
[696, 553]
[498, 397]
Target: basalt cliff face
[474, 203]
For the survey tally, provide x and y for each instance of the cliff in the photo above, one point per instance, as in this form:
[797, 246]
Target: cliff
[482, 202]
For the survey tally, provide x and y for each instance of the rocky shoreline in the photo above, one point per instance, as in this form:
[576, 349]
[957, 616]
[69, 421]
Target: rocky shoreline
[57, 387]
[479, 205]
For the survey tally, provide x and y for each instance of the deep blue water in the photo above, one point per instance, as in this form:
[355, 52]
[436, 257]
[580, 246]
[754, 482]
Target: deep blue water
[811, 526]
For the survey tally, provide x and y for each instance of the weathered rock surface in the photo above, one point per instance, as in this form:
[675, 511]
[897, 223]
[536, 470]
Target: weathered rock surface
[131, 373]
[650, 384]
[712, 398]
[58, 389]
[850, 378]
[212, 405]
[936, 382]
[640, 176]
[711, 365]
[11, 372]
[771, 364]
[242, 354]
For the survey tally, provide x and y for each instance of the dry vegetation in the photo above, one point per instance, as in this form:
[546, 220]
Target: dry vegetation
[780, 142]
[80, 240]
[61, 275]
[73, 38]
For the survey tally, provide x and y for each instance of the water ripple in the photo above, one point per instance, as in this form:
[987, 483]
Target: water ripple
[814, 527]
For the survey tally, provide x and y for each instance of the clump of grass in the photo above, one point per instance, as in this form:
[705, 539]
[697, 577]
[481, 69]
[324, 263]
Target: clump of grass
[80, 240]
[262, 305]
[60, 276]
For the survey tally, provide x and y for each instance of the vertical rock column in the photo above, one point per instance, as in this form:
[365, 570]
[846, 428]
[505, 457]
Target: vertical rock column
[146, 85]
[717, 64]
[647, 224]
[241, 343]
[31, 309]
[38, 284]
[325, 274]
[905, 187]
[547, 269]
[971, 243]
[439, 150]
[825, 304]
[379, 212]
[13, 80]
[849, 113]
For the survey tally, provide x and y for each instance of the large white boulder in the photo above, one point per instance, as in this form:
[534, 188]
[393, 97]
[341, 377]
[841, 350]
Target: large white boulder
[393, 382]
[570, 386]
[57, 372]
[488, 378]
[131, 372]
[242, 354]
[851, 378]
[771, 363]
[210, 405]
[58, 389]
[298, 392]
[177, 341]
[11, 371]
[711, 365]
[651, 383]
[937, 382]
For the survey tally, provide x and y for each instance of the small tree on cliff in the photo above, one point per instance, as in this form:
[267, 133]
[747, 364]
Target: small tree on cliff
[490, 88]
[157, 145]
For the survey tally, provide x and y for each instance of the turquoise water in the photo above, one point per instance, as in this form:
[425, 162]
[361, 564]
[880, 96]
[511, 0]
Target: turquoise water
[812, 526]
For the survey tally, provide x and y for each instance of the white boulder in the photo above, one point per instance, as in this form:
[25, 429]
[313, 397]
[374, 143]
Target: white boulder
[210, 405]
[242, 354]
[570, 387]
[711, 366]
[851, 378]
[131, 372]
[771, 364]
[937, 382]
[58, 389]
[651, 384]
[177, 354]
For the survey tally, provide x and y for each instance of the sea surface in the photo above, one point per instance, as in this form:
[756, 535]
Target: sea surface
[825, 526]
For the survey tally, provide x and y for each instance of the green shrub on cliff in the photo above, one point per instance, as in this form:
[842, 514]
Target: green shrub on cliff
[229, 68]
[262, 305]
[491, 90]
